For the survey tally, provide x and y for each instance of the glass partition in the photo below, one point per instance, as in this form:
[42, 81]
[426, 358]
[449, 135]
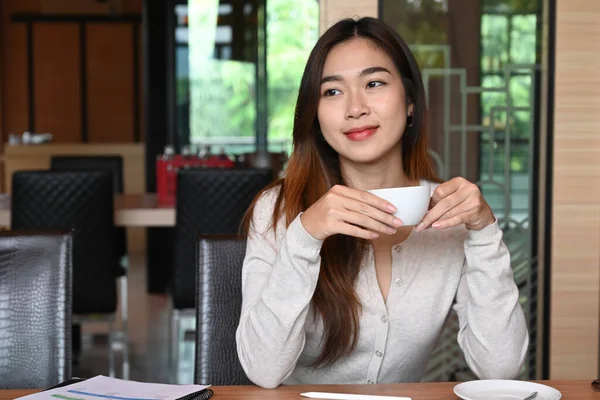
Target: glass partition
[481, 64]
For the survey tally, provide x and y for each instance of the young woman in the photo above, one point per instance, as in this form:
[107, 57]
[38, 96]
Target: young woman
[337, 290]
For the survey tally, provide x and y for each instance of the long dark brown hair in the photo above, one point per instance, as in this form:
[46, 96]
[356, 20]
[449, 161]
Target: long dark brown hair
[314, 168]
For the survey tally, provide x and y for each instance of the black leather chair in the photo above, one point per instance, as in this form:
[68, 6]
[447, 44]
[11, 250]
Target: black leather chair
[82, 201]
[209, 201]
[114, 164]
[219, 301]
[35, 299]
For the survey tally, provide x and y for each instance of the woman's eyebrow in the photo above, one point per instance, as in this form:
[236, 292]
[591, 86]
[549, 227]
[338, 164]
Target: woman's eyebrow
[366, 71]
[372, 70]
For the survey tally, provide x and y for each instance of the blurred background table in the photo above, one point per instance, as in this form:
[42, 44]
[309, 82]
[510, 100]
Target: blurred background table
[131, 210]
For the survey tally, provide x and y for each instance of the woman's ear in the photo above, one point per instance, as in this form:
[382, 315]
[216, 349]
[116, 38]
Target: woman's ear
[410, 110]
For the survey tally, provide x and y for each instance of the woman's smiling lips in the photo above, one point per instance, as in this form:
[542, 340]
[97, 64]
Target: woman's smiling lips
[361, 132]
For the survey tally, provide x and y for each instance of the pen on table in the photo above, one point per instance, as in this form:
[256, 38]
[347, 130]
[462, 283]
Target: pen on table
[343, 396]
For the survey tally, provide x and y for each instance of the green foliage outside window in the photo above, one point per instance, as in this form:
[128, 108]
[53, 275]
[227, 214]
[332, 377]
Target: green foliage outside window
[292, 31]
[508, 39]
[224, 92]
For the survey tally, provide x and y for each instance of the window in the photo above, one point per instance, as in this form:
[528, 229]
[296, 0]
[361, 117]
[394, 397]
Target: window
[509, 38]
[238, 66]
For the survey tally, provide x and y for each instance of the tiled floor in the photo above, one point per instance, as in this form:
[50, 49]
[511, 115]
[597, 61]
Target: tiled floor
[149, 322]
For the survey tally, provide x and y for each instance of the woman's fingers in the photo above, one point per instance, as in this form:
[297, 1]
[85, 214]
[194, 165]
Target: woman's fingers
[457, 202]
[365, 197]
[368, 211]
[356, 231]
[441, 207]
[456, 216]
[366, 222]
[451, 222]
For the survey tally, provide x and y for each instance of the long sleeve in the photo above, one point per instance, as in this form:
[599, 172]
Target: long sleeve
[279, 277]
[493, 331]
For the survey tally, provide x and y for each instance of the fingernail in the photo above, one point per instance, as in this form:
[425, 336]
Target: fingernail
[397, 222]
[436, 224]
[374, 235]
[391, 231]
[419, 227]
[391, 208]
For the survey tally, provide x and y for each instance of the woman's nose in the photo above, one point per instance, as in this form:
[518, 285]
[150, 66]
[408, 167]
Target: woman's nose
[356, 106]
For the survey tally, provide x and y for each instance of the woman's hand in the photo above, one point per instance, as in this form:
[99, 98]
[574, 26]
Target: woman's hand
[457, 202]
[350, 212]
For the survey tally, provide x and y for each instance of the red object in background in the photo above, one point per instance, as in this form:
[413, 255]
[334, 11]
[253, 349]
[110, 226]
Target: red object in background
[166, 172]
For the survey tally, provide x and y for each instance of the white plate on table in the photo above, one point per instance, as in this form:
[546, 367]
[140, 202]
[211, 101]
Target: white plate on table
[497, 389]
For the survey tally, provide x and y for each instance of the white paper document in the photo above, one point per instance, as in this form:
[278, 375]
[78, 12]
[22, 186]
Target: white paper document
[345, 396]
[104, 388]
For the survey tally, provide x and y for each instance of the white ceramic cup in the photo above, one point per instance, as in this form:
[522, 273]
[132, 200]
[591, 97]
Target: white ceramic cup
[411, 202]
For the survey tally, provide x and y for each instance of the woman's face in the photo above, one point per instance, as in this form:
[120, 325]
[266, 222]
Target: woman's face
[362, 108]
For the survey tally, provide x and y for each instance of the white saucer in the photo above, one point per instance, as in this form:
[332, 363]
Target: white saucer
[496, 389]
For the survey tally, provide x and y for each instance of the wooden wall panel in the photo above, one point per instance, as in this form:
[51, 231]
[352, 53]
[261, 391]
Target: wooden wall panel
[578, 156]
[575, 301]
[14, 68]
[13, 74]
[110, 83]
[330, 11]
[57, 81]
[132, 6]
[575, 263]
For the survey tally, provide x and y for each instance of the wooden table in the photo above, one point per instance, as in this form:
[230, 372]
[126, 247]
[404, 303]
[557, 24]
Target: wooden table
[571, 390]
[131, 210]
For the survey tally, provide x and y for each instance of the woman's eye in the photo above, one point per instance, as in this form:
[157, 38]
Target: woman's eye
[374, 84]
[331, 92]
